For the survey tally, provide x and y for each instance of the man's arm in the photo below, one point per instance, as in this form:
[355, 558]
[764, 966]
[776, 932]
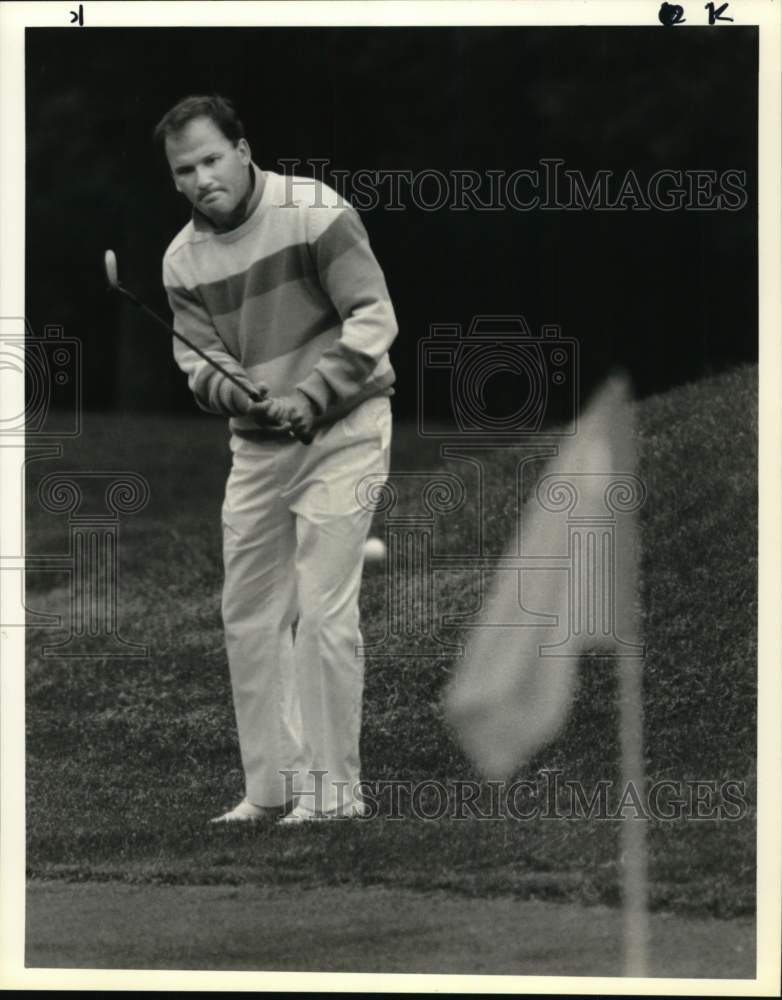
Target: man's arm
[354, 282]
[352, 278]
[213, 392]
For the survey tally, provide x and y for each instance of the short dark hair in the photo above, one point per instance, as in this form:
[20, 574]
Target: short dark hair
[219, 109]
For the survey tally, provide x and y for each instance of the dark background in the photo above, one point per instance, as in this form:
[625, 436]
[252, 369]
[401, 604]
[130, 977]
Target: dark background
[673, 296]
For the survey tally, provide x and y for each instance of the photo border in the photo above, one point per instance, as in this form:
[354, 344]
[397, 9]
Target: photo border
[14, 18]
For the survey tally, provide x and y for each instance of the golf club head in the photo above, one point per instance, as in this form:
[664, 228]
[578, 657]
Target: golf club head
[110, 266]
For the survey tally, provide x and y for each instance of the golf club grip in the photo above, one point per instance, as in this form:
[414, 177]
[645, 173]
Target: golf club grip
[305, 437]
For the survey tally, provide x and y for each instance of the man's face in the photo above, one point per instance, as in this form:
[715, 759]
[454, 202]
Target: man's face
[208, 169]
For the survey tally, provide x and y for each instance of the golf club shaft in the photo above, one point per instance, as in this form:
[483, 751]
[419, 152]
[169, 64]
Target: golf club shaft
[255, 396]
[110, 265]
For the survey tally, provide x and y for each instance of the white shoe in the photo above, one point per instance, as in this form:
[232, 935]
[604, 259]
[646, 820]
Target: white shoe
[247, 812]
[301, 815]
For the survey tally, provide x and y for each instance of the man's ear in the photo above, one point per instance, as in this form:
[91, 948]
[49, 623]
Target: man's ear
[245, 153]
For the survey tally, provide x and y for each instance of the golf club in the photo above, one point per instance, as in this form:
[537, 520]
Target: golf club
[112, 276]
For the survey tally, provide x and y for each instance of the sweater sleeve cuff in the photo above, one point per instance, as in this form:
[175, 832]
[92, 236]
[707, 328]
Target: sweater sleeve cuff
[317, 389]
[230, 398]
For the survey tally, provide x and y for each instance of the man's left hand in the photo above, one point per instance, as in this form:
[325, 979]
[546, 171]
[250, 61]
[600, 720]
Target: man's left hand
[295, 411]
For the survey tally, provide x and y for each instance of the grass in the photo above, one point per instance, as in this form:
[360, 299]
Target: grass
[127, 758]
[359, 929]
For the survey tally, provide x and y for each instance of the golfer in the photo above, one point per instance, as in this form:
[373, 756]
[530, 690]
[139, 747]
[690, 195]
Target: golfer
[273, 277]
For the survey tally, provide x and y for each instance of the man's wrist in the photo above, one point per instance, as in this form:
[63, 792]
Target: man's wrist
[303, 399]
[231, 399]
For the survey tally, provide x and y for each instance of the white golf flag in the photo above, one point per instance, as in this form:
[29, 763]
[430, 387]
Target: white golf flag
[508, 698]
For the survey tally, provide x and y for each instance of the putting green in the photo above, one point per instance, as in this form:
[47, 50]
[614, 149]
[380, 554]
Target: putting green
[346, 929]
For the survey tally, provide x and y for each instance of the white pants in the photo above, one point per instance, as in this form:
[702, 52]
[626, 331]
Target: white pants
[293, 540]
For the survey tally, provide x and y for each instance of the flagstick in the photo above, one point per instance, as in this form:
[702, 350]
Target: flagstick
[635, 922]
[503, 701]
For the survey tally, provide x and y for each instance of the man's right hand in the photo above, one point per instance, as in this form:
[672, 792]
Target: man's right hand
[294, 414]
[239, 401]
[265, 413]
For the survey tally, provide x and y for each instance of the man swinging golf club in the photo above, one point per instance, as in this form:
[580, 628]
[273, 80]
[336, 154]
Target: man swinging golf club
[273, 278]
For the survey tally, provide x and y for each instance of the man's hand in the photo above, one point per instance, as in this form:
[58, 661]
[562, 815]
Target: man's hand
[237, 400]
[295, 412]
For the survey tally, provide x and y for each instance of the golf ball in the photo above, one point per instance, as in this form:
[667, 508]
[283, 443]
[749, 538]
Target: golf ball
[374, 550]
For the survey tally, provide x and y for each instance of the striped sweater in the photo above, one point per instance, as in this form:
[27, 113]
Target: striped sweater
[293, 297]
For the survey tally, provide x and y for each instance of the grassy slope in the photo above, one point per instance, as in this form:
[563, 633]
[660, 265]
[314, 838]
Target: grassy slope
[127, 758]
